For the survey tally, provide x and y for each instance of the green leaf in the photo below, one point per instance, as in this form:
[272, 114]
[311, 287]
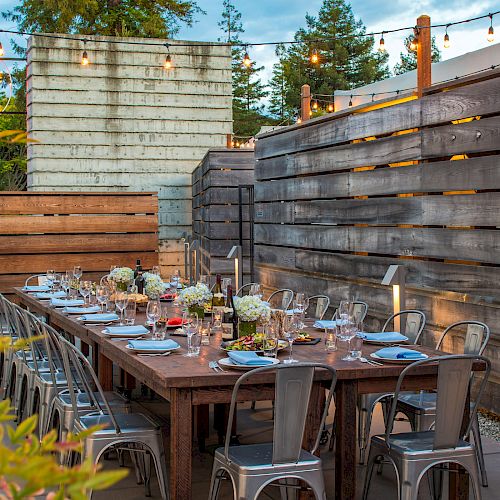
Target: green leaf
[26, 427]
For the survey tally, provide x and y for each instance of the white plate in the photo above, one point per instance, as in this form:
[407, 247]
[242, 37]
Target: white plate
[229, 363]
[124, 335]
[397, 361]
[159, 351]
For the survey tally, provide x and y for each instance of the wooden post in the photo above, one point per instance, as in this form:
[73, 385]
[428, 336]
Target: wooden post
[424, 54]
[305, 102]
[229, 141]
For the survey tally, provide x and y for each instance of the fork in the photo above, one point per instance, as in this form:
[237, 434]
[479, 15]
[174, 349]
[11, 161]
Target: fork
[166, 353]
[215, 366]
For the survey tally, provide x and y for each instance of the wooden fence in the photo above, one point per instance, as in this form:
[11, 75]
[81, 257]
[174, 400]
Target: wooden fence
[40, 231]
[413, 182]
[216, 207]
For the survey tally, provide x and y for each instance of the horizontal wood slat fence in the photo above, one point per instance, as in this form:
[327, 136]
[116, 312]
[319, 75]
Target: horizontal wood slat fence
[49, 230]
[413, 182]
[216, 207]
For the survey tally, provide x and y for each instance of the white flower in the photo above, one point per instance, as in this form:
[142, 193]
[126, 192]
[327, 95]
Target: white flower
[122, 275]
[153, 285]
[195, 295]
[251, 308]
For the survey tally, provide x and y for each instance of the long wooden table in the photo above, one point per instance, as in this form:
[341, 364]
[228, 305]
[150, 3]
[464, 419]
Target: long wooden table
[187, 382]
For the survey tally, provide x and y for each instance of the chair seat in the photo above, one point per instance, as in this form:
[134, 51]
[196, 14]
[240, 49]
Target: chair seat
[258, 456]
[82, 400]
[412, 443]
[128, 423]
[47, 378]
[418, 401]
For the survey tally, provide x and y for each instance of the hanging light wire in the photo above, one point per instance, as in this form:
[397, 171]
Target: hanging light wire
[491, 32]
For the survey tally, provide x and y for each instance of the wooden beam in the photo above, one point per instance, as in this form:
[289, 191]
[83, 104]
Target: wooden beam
[424, 54]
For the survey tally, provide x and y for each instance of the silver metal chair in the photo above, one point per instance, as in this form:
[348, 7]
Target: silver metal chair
[132, 431]
[41, 279]
[317, 306]
[413, 327]
[414, 453]
[243, 290]
[252, 467]
[359, 311]
[281, 299]
[420, 407]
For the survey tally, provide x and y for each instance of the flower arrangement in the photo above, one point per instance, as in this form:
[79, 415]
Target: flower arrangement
[195, 295]
[122, 275]
[153, 285]
[251, 308]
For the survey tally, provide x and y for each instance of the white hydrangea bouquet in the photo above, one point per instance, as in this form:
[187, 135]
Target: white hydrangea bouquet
[196, 295]
[252, 308]
[122, 276]
[153, 285]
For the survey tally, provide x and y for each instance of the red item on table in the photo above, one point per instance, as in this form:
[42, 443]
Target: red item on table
[174, 322]
[168, 296]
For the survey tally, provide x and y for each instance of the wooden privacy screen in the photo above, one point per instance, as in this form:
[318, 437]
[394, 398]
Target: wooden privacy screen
[216, 209]
[40, 231]
[412, 182]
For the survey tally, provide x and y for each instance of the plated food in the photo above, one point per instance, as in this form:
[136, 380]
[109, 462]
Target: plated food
[304, 337]
[250, 343]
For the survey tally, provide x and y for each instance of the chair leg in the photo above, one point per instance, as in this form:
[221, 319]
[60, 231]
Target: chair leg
[155, 447]
[217, 476]
[365, 423]
[369, 472]
[146, 456]
[479, 451]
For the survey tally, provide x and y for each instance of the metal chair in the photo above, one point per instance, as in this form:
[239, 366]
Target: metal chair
[413, 327]
[41, 279]
[133, 431]
[420, 407]
[244, 289]
[252, 467]
[281, 299]
[317, 306]
[359, 311]
[414, 453]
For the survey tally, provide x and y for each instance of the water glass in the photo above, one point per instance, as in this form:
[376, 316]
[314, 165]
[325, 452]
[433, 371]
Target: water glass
[110, 305]
[331, 339]
[225, 283]
[77, 272]
[155, 270]
[153, 313]
[190, 325]
[348, 332]
[292, 328]
[204, 331]
[102, 295]
[161, 331]
[270, 344]
[121, 301]
[130, 312]
[355, 346]
[195, 344]
[85, 289]
[56, 282]
[205, 279]
[65, 283]
[217, 318]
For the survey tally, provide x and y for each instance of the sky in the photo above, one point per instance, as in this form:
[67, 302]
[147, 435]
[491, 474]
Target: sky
[277, 20]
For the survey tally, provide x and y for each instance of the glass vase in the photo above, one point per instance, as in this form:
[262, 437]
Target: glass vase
[198, 310]
[121, 287]
[247, 328]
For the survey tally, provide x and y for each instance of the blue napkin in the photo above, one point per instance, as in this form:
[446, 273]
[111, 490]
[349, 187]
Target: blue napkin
[160, 345]
[399, 353]
[249, 358]
[291, 312]
[81, 310]
[66, 302]
[100, 317]
[36, 288]
[384, 337]
[50, 295]
[132, 330]
[325, 324]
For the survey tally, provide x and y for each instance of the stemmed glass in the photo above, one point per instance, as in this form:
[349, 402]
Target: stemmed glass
[190, 325]
[155, 270]
[225, 283]
[255, 290]
[121, 301]
[153, 313]
[50, 277]
[348, 332]
[56, 282]
[292, 328]
[85, 289]
[102, 295]
[66, 283]
[77, 272]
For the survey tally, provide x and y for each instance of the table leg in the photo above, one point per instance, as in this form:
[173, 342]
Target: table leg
[180, 444]
[105, 372]
[346, 394]
[202, 424]
[85, 349]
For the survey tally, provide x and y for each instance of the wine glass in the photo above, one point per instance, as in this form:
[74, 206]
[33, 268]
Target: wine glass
[77, 272]
[102, 295]
[121, 301]
[255, 290]
[50, 277]
[153, 313]
[348, 332]
[56, 282]
[155, 270]
[85, 289]
[225, 283]
[190, 325]
[65, 283]
[292, 328]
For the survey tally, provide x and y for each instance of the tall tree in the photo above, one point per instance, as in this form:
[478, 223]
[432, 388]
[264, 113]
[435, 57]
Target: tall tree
[346, 58]
[279, 86]
[144, 18]
[408, 60]
[248, 89]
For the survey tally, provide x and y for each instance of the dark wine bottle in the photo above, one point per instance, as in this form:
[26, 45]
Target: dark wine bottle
[218, 296]
[227, 319]
[138, 277]
[235, 319]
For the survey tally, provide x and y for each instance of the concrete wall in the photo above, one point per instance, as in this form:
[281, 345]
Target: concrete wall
[125, 123]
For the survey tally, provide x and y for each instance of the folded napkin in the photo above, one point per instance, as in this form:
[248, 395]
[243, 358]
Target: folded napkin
[66, 302]
[36, 288]
[291, 312]
[325, 324]
[50, 295]
[384, 337]
[100, 317]
[160, 345]
[81, 310]
[174, 322]
[399, 353]
[132, 330]
[249, 358]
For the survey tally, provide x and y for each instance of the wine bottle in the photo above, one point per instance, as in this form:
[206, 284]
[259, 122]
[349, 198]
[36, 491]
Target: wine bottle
[138, 268]
[235, 319]
[227, 319]
[138, 277]
[218, 296]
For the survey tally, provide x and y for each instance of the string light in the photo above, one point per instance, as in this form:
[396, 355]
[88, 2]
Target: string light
[446, 41]
[314, 57]
[85, 59]
[331, 108]
[2, 51]
[413, 44]
[299, 120]
[315, 105]
[381, 44]
[247, 62]
[491, 33]
[168, 59]
[350, 102]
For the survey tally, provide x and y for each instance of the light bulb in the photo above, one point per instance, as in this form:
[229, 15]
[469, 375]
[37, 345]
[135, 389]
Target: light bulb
[446, 42]
[168, 62]
[491, 35]
[299, 120]
[413, 44]
[247, 62]
[350, 102]
[314, 57]
[237, 144]
[330, 108]
[2, 51]
[381, 44]
[85, 59]
[315, 105]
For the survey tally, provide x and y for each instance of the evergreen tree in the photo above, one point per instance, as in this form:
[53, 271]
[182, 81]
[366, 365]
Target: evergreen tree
[408, 60]
[346, 57]
[279, 85]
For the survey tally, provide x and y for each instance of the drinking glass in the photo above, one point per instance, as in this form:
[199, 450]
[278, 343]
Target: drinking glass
[195, 341]
[204, 332]
[85, 289]
[161, 330]
[217, 318]
[174, 283]
[331, 339]
[292, 328]
[153, 313]
[130, 312]
[121, 301]
[155, 270]
[102, 295]
[65, 283]
[190, 325]
[270, 344]
[56, 282]
[225, 283]
[50, 277]
[77, 272]
[357, 341]
[348, 332]
[255, 290]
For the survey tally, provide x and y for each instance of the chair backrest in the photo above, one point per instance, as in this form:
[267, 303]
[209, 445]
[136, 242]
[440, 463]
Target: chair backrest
[412, 323]
[281, 299]
[293, 384]
[242, 290]
[476, 337]
[359, 310]
[41, 279]
[317, 305]
[453, 382]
